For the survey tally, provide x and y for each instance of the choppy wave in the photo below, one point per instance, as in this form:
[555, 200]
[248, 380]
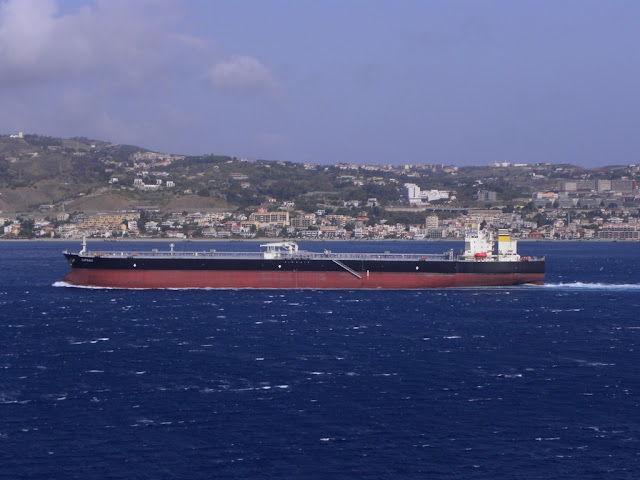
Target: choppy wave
[593, 286]
[500, 288]
[69, 285]
[381, 382]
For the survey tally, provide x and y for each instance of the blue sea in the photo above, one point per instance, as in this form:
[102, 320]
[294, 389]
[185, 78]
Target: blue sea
[529, 382]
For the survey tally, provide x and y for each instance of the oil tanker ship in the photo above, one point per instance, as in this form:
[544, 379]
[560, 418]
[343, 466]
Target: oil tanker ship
[283, 266]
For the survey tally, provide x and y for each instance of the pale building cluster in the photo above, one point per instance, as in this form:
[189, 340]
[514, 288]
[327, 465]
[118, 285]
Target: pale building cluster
[414, 195]
[319, 225]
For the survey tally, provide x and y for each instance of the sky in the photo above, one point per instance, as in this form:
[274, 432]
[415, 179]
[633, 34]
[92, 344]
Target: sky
[330, 81]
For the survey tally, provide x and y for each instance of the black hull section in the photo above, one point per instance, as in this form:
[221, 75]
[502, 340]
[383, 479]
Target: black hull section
[445, 267]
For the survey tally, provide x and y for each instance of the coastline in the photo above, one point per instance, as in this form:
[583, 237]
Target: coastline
[306, 240]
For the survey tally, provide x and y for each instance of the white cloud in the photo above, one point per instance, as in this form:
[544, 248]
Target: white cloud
[110, 39]
[26, 29]
[125, 44]
[121, 70]
[241, 74]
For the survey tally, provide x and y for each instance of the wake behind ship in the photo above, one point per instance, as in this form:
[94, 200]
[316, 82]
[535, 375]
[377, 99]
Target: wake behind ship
[283, 266]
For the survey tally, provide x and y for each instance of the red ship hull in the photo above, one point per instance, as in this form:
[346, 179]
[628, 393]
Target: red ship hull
[286, 280]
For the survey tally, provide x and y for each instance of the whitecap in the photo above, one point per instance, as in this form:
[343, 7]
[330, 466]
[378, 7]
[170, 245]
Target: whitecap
[66, 284]
[509, 375]
[593, 286]
[145, 421]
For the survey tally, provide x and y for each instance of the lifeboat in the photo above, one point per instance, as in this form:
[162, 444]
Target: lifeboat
[481, 255]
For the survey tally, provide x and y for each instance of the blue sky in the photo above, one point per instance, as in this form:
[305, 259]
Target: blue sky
[366, 82]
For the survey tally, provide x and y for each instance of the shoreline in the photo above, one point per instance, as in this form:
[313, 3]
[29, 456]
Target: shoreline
[306, 240]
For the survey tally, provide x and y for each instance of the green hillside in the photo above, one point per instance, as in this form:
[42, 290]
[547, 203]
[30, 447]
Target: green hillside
[77, 174]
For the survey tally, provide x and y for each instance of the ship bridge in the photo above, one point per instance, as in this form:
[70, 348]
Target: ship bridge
[279, 249]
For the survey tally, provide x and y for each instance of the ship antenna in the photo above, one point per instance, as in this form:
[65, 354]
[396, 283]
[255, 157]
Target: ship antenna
[84, 245]
[171, 245]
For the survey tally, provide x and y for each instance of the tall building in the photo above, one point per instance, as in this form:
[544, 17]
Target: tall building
[486, 196]
[586, 185]
[412, 193]
[568, 186]
[623, 186]
[603, 185]
[432, 221]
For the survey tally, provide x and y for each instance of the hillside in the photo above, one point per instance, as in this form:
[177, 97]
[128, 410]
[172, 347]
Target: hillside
[81, 175]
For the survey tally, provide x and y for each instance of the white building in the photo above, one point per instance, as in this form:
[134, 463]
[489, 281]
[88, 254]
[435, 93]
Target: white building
[414, 195]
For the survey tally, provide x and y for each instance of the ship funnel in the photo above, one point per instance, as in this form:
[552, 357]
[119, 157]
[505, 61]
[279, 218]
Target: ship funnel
[507, 246]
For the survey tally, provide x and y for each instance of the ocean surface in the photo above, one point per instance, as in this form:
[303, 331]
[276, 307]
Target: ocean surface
[531, 382]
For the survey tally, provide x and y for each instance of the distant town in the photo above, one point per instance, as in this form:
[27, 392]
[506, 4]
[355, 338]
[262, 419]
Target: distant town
[101, 190]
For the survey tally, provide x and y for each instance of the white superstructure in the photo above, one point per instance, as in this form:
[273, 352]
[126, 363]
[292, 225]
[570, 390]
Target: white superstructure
[479, 246]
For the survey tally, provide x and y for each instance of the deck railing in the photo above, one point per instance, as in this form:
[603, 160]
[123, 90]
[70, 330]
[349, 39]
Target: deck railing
[299, 255]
